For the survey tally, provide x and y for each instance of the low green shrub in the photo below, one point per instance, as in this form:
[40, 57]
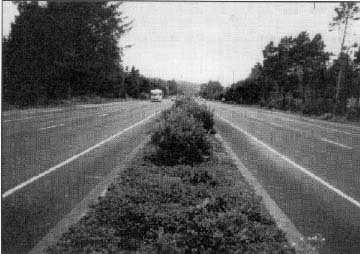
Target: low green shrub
[180, 138]
[162, 209]
[199, 112]
[214, 228]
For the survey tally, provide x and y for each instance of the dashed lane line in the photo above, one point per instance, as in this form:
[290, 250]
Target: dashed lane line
[53, 126]
[303, 131]
[339, 125]
[319, 126]
[336, 143]
[271, 123]
[26, 118]
[103, 115]
[302, 169]
[37, 177]
[304, 123]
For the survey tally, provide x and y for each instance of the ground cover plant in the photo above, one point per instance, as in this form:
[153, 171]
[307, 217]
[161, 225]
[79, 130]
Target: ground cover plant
[205, 207]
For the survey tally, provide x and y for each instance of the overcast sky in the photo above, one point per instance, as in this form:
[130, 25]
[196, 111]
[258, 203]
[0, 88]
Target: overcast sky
[212, 41]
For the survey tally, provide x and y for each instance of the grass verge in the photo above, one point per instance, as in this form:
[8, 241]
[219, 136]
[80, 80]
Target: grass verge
[204, 208]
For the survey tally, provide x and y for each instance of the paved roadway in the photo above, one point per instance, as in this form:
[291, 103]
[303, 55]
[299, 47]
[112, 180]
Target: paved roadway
[38, 142]
[310, 168]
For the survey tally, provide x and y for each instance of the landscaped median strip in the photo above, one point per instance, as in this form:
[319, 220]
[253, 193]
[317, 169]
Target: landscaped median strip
[180, 207]
[179, 204]
[37, 177]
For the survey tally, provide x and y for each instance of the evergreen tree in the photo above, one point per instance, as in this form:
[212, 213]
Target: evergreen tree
[62, 49]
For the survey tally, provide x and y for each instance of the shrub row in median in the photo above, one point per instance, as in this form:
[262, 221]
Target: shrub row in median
[182, 134]
[204, 207]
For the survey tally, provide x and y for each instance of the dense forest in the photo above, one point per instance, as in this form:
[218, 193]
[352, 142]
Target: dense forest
[298, 74]
[57, 51]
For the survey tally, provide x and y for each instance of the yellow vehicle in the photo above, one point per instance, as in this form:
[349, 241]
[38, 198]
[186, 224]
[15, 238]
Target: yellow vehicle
[156, 95]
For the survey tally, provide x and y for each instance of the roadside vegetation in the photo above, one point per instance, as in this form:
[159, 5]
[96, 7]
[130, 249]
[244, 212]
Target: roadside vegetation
[298, 75]
[64, 58]
[184, 203]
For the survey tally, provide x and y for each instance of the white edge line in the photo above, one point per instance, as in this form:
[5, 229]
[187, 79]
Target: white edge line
[302, 169]
[336, 143]
[82, 207]
[294, 237]
[27, 182]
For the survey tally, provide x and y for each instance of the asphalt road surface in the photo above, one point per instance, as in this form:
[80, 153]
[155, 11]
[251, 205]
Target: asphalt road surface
[310, 168]
[52, 158]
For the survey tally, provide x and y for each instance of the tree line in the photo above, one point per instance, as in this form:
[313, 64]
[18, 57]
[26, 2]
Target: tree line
[60, 50]
[298, 74]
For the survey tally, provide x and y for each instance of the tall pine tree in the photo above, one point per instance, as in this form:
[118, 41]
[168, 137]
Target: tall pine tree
[59, 50]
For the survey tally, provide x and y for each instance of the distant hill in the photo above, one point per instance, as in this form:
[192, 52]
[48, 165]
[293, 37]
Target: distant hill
[188, 88]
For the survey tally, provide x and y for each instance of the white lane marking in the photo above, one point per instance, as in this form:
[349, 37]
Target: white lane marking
[319, 126]
[304, 118]
[53, 126]
[26, 118]
[281, 126]
[277, 115]
[303, 131]
[301, 122]
[302, 169]
[339, 125]
[336, 143]
[271, 123]
[34, 178]
[275, 124]
[104, 115]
